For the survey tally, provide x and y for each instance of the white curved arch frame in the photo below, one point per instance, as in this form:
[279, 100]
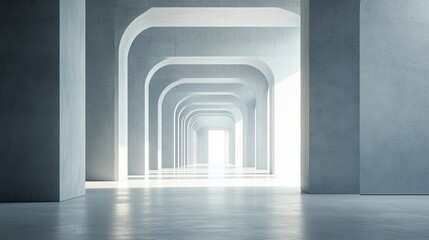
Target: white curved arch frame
[256, 63]
[182, 17]
[218, 122]
[227, 123]
[183, 120]
[197, 116]
[223, 124]
[176, 125]
[189, 81]
[186, 121]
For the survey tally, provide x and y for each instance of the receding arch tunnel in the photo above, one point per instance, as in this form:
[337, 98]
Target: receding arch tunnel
[196, 66]
[208, 97]
[213, 79]
[193, 89]
[238, 65]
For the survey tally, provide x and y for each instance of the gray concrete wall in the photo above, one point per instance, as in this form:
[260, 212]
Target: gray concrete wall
[100, 90]
[72, 99]
[394, 97]
[330, 71]
[29, 101]
[33, 118]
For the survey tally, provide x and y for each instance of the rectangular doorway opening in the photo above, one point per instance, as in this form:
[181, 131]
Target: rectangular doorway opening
[218, 146]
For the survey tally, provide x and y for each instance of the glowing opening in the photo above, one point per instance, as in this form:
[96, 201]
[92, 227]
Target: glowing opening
[218, 148]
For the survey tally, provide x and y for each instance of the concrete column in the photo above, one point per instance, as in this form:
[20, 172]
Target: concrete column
[202, 146]
[250, 139]
[261, 135]
[330, 96]
[42, 100]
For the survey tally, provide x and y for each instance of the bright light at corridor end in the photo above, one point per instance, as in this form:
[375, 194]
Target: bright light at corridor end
[218, 148]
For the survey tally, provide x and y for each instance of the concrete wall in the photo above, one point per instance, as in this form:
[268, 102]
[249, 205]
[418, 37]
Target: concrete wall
[34, 144]
[394, 103]
[100, 91]
[29, 101]
[330, 84]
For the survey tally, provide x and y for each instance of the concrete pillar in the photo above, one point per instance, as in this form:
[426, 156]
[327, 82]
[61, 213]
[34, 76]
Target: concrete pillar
[330, 96]
[42, 100]
[202, 146]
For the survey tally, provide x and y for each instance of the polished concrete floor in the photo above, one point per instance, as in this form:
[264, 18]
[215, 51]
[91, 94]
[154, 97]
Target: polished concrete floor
[218, 213]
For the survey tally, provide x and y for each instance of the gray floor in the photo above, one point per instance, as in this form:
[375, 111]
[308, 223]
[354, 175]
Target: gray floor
[218, 213]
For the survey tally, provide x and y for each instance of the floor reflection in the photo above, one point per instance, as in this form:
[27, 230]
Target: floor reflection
[217, 213]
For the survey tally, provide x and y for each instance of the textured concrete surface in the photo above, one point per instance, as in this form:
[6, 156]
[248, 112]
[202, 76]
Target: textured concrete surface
[41, 99]
[29, 101]
[72, 99]
[218, 213]
[100, 91]
[394, 97]
[330, 78]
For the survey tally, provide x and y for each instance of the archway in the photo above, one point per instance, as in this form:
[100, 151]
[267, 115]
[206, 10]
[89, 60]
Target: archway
[236, 17]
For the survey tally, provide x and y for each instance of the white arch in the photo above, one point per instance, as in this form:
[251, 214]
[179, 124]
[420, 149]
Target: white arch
[186, 81]
[200, 113]
[182, 17]
[176, 121]
[190, 115]
[202, 119]
[181, 120]
[248, 61]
